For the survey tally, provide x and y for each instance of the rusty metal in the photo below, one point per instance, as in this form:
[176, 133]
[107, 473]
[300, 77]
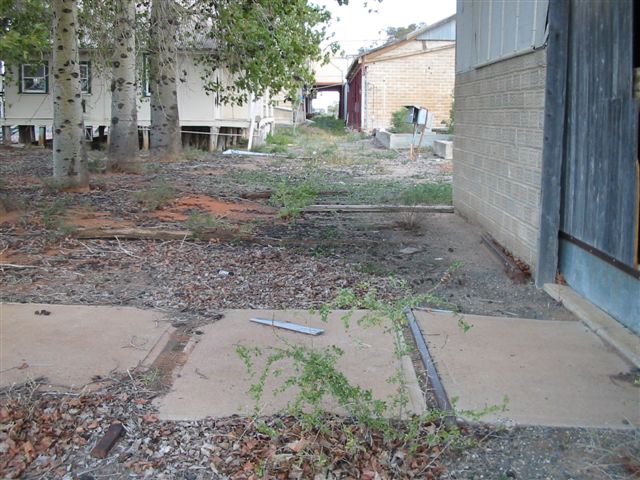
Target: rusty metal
[511, 268]
[106, 443]
[601, 255]
[442, 399]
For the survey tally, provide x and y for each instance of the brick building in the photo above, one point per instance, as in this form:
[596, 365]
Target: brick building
[546, 139]
[416, 70]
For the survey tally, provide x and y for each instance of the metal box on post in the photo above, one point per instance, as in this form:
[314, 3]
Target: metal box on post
[416, 115]
[412, 113]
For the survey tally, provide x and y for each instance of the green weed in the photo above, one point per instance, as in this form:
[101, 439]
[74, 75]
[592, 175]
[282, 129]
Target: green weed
[316, 377]
[156, 197]
[399, 122]
[282, 136]
[329, 123]
[354, 136]
[53, 221]
[152, 378]
[428, 194]
[96, 165]
[199, 223]
[293, 198]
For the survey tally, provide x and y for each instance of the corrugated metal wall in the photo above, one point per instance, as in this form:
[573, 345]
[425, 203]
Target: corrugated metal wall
[491, 30]
[354, 100]
[446, 31]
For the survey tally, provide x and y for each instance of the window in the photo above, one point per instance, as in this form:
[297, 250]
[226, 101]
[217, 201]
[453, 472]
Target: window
[34, 78]
[85, 76]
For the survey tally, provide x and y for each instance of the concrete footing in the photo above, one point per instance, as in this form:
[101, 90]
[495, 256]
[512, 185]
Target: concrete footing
[443, 149]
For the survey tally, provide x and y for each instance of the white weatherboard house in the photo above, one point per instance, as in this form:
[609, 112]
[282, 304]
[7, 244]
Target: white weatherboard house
[28, 105]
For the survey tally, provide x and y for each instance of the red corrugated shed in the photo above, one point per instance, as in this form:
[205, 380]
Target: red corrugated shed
[354, 99]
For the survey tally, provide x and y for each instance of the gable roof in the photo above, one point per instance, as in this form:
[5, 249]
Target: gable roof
[401, 41]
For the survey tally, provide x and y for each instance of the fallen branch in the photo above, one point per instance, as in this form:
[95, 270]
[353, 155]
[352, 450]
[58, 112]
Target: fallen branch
[267, 194]
[17, 267]
[379, 208]
[134, 233]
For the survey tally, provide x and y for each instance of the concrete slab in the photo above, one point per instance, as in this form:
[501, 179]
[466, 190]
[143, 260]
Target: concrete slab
[72, 343]
[554, 373]
[214, 381]
[603, 324]
[404, 140]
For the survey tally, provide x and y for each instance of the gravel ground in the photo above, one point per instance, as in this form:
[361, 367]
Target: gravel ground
[300, 264]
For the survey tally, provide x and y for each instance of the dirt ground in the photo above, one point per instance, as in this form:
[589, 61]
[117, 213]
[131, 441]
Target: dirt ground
[234, 250]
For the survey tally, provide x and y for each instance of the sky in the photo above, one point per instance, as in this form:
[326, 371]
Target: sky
[355, 27]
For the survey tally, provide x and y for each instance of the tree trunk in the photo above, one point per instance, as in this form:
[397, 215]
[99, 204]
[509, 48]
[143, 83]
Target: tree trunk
[123, 147]
[165, 122]
[69, 155]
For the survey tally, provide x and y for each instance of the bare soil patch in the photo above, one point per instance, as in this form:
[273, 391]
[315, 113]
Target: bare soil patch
[221, 209]
[303, 263]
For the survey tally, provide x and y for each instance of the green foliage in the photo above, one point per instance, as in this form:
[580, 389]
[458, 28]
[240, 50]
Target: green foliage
[329, 123]
[266, 45]
[377, 191]
[199, 223]
[353, 136]
[53, 218]
[399, 122]
[315, 377]
[278, 141]
[96, 165]
[452, 118]
[156, 197]
[281, 136]
[399, 33]
[428, 194]
[24, 31]
[152, 378]
[293, 198]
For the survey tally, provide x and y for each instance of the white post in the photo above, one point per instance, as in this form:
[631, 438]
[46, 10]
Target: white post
[251, 122]
[145, 139]
[213, 138]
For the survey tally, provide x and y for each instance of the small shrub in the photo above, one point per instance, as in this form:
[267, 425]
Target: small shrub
[95, 165]
[272, 148]
[199, 223]
[156, 197]
[354, 136]
[330, 123]
[293, 198]
[399, 122]
[452, 118]
[53, 221]
[280, 137]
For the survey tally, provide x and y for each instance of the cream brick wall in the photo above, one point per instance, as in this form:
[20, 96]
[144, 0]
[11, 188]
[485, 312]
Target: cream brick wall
[497, 149]
[417, 73]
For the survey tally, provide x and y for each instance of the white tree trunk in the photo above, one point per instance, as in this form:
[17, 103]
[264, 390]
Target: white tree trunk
[123, 146]
[165, 122]
[69, 155]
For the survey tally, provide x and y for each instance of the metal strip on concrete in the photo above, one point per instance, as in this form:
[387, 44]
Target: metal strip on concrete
[439, 392]
[552, 372]
[214, 381]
